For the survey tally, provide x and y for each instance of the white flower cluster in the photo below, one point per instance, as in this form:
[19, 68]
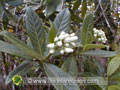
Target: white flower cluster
[64, 42]
[100, 35]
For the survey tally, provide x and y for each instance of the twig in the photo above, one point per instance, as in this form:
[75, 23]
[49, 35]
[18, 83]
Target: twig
[105, 17]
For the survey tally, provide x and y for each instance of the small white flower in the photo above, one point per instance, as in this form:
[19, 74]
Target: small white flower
[56, 39]
[99, 34]
[66, 35]
[104, 41]
[80, 6]
[52, 51]
[99, 39]
[62, 33]
[73, 44]
[51, 45]
[88, 7]
[62, 51]
[67, 44]
[93, 4]
[74, 38]
[95, 35]
[59, 43]
[61, 37]
[68, 50]
[67, 39]
[72, 34]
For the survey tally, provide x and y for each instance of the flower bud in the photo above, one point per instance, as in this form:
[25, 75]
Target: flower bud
[72, 34]
[67, 44]
[56, 39]
[62, 51]
[62, 33]
[59, 43]
[52, 51]
[51, 45]
[73, 44]
[68, 50]
[61, 37]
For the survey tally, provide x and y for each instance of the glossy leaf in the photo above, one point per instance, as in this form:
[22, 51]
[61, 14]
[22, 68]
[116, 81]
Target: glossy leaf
[52, 6]
[62, 21]
[19, 44]
[90, 46]
[70, 66]
[113, 65]
[100, 53]
[11, 49]
[113, 87]
[53, 71]
[52, 33]
[87, 27]
[35, 31]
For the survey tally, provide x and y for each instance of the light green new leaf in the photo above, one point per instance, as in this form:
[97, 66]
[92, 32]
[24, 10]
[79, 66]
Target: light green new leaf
[11, 49]
[62, 21]
[52, 6]
[87, 27]
[35, 31]
[76, 5]
[52, 33]
[114, 87]
[70, 66]
[99, 53]
[113, 65]
[22, 69]
[84, 8]
[53, 71]
[21, 45]
[90, 46]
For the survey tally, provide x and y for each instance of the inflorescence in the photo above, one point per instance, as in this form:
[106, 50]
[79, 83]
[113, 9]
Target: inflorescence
[64, 43]
[100, 35]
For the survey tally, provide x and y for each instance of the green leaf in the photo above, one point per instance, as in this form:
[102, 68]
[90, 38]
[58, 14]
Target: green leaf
[90, 46]
[76, 5]
[115, 76]
[113, 65]
[1, 8]
[53, 71]
[52, 6]
[52, 33]
[19, 44]
[70, 66]
[99, 53]
[76, 18]
[13, 18]
[87, 27]
[20, 70]
[14, 2]
[113, 87]
[84, 8]
[35, 31]
[11, 49]
[62, 21]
